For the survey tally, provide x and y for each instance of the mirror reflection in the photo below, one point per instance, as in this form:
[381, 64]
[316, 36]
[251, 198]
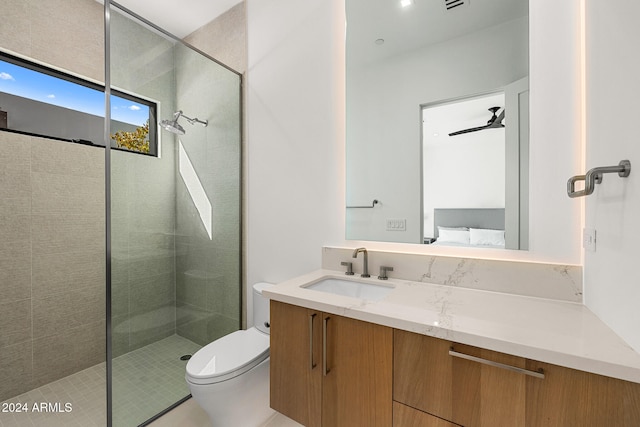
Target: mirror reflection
[437, 122]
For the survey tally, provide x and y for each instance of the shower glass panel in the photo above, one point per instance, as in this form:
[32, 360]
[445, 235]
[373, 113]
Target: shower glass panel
[175, 217]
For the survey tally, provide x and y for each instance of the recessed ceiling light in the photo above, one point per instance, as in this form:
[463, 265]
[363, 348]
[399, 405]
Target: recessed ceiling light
[406, 3]
[379, 41]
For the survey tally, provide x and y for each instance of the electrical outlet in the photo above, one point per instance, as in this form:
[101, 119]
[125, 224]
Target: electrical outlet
[396, 224]
[589, 239]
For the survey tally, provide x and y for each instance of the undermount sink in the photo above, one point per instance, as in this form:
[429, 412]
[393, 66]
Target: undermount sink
[351, 288]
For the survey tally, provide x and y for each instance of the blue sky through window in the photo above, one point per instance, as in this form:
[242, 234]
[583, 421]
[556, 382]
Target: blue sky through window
[27, 83]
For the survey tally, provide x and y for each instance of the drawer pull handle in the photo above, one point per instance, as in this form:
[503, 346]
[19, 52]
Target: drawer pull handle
[536, 374]
[325, 363]
[311, 363]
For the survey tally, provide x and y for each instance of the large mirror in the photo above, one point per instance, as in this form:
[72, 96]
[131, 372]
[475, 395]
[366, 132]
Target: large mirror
[438, 122]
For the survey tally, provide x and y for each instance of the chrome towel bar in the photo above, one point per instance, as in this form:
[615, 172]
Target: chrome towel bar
[594, 176]
[373, 205]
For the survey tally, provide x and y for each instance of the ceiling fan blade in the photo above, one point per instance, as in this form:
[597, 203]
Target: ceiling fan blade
[460, 132]
[494, 122]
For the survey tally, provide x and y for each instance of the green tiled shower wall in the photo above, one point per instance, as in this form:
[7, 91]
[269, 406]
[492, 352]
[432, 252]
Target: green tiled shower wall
[208, 267]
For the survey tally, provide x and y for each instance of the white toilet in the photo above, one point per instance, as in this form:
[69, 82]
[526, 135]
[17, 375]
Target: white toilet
[229, 378]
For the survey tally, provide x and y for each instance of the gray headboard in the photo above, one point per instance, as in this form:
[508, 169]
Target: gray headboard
[475, 218]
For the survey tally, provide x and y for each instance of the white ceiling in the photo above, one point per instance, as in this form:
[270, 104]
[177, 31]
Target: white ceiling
[423, 23]
[179, 18]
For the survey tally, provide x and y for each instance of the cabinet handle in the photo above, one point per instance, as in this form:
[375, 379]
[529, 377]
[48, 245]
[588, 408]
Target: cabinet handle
[536, 374]
[311, 364]
[325, 368]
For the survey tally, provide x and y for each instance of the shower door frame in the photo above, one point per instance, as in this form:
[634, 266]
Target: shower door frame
[107, 162]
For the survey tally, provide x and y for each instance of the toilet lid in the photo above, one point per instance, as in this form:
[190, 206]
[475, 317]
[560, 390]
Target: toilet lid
[228, 357]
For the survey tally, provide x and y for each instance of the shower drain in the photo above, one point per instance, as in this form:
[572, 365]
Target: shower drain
[185, 357]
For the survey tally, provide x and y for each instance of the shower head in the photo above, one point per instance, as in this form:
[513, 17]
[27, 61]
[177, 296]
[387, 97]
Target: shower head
[174, 127]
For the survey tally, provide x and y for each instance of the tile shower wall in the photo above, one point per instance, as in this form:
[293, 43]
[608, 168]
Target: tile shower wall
[51, 260]
[67, 34]
[52, 209]
[225, 38]
[70, 35]
[208, 282]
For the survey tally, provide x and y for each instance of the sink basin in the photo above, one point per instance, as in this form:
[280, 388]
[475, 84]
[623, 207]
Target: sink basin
[352, 288]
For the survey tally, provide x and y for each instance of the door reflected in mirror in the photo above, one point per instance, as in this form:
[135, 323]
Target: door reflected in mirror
[424, 70]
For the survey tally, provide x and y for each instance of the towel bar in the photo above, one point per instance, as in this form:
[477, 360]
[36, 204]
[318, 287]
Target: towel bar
[373, 205]
[594, 176]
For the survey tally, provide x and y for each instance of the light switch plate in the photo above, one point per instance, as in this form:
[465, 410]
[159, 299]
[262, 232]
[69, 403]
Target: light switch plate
[396, 224]
[589, 239]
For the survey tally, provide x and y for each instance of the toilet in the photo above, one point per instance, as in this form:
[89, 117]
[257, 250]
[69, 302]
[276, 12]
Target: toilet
[229, 378]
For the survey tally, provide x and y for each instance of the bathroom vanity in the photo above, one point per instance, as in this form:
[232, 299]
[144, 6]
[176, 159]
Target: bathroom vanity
[436, 356]
[330, 370]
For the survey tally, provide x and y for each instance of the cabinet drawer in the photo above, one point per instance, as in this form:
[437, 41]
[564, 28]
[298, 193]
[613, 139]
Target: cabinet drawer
[406, 416]
[465, 392]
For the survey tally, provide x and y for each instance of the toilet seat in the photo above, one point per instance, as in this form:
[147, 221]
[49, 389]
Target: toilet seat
[228, 357]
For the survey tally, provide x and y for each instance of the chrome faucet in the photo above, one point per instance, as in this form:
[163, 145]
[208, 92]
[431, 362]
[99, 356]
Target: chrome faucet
[365, 261]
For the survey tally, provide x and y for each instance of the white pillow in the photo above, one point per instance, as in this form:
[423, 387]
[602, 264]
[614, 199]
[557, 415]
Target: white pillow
[486, 236]
[453, 235]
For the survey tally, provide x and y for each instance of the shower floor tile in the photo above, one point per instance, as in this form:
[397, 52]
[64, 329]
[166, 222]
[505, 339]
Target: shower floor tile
[145, 382]
[150, 379]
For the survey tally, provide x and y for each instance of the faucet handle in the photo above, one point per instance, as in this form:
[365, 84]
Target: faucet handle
[349, 266]
[383, 272]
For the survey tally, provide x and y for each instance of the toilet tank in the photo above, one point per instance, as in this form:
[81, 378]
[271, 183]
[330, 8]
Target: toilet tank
[261, 307]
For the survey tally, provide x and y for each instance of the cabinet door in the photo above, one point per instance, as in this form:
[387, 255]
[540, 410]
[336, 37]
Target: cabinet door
[357, 387]
[571, 398]
[462, 391]
[295, 378]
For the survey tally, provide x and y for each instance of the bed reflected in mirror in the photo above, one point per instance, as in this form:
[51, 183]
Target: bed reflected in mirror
[469, 192]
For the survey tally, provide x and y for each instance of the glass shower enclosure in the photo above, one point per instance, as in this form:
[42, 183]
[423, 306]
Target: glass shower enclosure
[120, 251]
[174, 216]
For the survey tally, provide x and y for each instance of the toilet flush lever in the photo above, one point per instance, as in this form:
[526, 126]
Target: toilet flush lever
[267, 324]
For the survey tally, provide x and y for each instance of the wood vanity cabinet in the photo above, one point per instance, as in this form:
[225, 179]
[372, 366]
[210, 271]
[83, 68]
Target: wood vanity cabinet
[472, 394]
[329, 370]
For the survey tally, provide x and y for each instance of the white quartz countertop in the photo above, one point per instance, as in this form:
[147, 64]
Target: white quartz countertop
[557, 332]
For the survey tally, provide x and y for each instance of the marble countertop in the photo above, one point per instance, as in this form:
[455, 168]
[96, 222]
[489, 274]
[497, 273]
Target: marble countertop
[552, 331]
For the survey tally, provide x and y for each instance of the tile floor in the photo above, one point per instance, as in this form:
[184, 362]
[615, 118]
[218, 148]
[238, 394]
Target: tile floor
[145, 381]
[189, 414]
[150, 379]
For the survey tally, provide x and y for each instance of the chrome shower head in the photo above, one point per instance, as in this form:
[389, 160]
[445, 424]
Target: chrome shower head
[174, 127]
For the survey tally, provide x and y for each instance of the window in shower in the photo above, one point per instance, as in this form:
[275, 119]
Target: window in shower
[43, 101]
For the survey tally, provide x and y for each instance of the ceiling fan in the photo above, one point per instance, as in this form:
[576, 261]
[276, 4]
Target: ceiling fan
[493, 123]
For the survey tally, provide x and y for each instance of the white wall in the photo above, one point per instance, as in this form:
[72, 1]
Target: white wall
[466, 173]
[612, 278]
[295, 139]
[295, 149]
